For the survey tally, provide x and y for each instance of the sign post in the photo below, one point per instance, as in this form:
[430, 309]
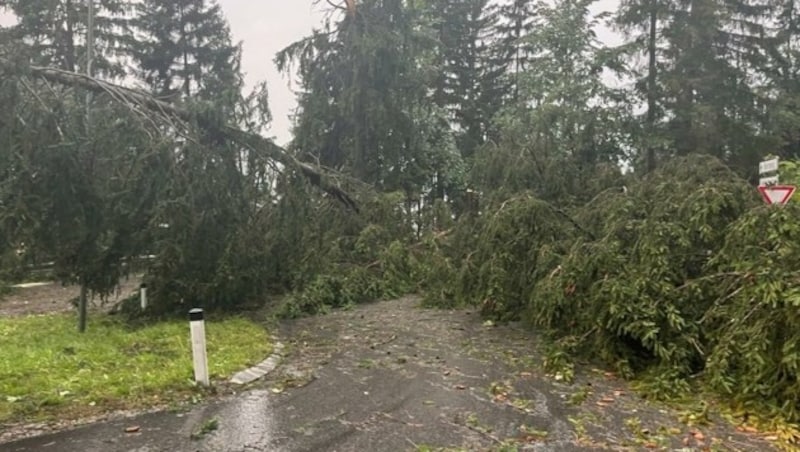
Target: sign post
[769, 183]
[197, 327]
[143, 296]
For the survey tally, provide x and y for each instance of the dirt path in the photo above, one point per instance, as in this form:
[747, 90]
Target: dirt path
[53, 297]
[392, 376]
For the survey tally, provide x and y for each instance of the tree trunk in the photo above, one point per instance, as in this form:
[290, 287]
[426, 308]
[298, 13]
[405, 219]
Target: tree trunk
[186, 77]
[651, 86]
[69, 53]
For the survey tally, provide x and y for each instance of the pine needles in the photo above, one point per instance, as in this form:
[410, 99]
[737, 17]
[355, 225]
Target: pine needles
[685, 273]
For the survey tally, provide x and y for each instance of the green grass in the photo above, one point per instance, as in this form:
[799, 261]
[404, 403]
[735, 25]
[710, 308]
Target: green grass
[48, 370]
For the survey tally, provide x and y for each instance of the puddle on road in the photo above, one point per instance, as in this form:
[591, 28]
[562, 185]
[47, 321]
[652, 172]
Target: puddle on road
[245, 423]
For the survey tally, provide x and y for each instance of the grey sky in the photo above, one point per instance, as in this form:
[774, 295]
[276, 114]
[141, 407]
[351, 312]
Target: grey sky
[266, 26]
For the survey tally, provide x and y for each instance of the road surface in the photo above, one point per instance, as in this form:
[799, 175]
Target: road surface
[391, 376]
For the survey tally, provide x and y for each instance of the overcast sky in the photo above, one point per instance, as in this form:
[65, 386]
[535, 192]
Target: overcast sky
[266, 26]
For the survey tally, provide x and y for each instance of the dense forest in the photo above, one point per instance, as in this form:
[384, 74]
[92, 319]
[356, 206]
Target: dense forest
[494, 154]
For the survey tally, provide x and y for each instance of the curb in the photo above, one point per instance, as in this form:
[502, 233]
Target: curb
[259, 370]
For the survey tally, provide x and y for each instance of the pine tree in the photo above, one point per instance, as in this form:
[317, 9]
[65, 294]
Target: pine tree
[54, 32]
[469, 85]
[183, 49]
[516, 20]
[781, 71]
[643, 22]
[711, 51]
[364, 96]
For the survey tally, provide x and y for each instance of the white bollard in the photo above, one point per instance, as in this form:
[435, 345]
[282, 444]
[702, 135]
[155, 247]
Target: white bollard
[143, 296]
[197, 326]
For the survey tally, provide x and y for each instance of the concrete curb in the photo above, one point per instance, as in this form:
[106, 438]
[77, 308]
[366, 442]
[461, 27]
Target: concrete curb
[259, 370]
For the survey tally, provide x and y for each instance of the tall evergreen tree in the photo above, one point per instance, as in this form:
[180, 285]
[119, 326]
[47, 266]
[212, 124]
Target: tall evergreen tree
[709, 86]
[516, 19]
[183, 49]
[781, 71]
[643, 22]
[54, 32]
[364, 106]
[566, 122]
[469, 83]
[82, 200]
[184, 53]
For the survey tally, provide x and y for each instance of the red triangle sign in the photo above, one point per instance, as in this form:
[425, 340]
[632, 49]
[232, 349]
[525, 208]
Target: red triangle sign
[776, 194]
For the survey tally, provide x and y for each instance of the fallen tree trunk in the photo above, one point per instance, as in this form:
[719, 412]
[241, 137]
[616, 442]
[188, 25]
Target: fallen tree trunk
[135, 98]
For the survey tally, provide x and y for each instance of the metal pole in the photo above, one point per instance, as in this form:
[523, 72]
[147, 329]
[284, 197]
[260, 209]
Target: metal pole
[197, 326]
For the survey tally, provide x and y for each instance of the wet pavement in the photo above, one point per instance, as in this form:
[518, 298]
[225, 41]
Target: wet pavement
[390, 376]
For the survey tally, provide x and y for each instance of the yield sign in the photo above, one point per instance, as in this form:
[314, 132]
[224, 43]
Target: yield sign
[776, 194]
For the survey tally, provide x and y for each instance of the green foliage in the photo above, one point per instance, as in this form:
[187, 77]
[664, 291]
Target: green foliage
[52, 32]
[438, 272]
[625, 294]
[686, 271]
[492, 148]
[12, 266]
[379, 271]
[5, 288]
[206, 236]
[518, 244]
[753, 326]
[78, 199]
[183, 48]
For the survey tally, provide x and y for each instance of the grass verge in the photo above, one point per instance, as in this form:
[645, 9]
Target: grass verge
[48, 370]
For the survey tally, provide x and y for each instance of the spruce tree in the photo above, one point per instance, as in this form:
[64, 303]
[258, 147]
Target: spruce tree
[364, 103]
[469, 83]
[516, 19]
[712, 48]
[566, 122]
[54, 32]
[183, 49]
[781, 71]
[643, 22]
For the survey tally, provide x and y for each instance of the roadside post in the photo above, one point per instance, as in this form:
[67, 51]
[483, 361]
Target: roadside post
[769, 183]
[143, 296]
[197, 327]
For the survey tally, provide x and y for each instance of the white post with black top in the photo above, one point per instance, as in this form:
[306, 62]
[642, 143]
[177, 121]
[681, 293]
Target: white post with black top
[197, 325]
[143, 296]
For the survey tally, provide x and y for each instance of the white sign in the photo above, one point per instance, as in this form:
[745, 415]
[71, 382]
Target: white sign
[768, 166]
[770, 180]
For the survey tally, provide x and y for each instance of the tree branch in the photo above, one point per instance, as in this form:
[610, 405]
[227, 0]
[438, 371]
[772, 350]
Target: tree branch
[135, 100]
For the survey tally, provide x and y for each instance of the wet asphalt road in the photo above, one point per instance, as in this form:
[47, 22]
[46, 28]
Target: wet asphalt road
[389, 376]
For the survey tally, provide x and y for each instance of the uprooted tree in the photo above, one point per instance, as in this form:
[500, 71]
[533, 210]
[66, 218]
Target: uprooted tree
[95, 201]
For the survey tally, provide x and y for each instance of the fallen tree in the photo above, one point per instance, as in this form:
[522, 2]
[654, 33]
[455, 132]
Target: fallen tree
[144, 104]
[143, 176]
[686, 276]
